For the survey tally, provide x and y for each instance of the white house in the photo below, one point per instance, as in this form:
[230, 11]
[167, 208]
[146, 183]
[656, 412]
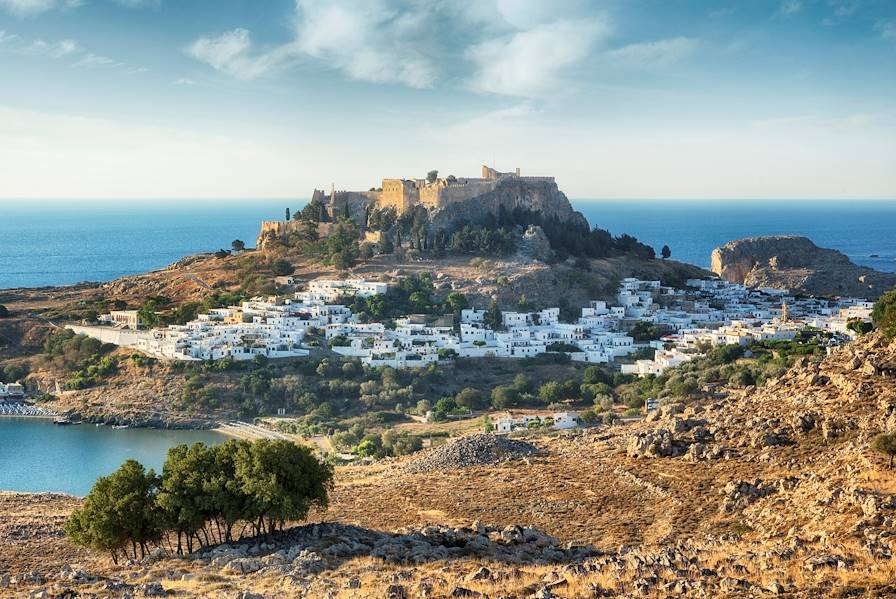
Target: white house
[123, 319]
[11, 391]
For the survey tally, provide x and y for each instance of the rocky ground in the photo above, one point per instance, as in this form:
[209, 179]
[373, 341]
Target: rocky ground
[471, 450]
[772, 491]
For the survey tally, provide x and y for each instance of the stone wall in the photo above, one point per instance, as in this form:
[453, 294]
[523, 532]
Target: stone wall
[399, 194]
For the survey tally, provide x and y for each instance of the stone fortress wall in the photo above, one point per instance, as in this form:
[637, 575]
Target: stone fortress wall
[404, 195]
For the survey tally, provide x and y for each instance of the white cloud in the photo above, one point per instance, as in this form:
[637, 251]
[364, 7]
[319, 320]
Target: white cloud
[370, 40]
[418, 43]
[531, 63]
[94, 60]
[59, 49]
[525, 14]
[231, 53]
[184, 81]
[656, 53]
[26, 8]
[790, 7]
[6, 37]
[886, 29]
[367, 40]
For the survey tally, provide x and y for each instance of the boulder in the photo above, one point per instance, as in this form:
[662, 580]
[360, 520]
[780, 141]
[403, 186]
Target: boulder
[650, 444]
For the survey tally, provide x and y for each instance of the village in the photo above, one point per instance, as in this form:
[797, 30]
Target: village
[707, 313]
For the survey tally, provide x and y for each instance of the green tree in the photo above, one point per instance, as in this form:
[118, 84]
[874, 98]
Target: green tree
[238, 245]
[455, 302]
[645, 331]
[522, 383]
[884, 314]
[595, 374]
[148, 313]
[282, 268]
[183, 493]
[886, 444]
[470, 398]
[431, 176]
[487, 426]
[342, 246]
[288, 216]
[666, 253]
[284, 480]
[120, 510]
[550, 392]
[4, 311]
[493, 315]
[504, 396]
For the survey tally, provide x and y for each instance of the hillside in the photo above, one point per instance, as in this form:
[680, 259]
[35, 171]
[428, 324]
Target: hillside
[764, 492]
[797, 264]
[197, 278]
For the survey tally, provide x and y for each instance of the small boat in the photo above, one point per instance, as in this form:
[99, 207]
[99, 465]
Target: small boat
[874, 256]
[118, 426]
[62, 422]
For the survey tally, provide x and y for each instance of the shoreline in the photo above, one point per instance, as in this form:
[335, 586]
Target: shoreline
[30, 416]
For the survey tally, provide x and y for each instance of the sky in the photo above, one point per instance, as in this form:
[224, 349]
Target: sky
[161, 99]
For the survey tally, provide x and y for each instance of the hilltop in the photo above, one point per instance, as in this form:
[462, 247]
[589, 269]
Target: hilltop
[796, 263]
[770, 491]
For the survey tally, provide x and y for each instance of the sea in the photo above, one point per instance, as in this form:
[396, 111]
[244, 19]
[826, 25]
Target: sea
[37, 455]
[65, 243]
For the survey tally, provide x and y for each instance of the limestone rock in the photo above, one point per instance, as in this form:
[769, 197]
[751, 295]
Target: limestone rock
[797, 264]
[650, 444]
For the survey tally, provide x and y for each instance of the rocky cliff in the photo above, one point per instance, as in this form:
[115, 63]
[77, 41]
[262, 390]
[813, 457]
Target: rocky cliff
[539, 195]
[797, 264]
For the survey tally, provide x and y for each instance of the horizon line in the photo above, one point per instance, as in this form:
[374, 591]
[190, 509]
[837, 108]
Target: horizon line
[4, 200]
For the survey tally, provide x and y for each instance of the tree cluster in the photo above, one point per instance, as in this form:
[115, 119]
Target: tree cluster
[570, 239]
[205, 495]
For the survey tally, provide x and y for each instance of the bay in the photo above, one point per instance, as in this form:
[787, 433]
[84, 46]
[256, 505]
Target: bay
[37, 455]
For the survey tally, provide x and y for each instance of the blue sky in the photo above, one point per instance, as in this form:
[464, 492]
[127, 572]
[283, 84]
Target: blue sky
[617, 99]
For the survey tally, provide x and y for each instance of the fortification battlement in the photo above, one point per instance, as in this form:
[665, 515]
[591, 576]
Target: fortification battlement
[404, 195]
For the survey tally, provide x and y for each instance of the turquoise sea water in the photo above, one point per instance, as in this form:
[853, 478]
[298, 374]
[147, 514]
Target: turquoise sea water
[37, 455]
[64, 244]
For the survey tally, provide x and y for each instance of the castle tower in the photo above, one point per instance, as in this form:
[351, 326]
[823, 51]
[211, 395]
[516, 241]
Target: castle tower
[784, 314]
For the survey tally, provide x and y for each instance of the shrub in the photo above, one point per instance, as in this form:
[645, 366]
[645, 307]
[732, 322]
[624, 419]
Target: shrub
[861, 327]
[470, 398]
[504, 396]
[282, 268]
[645, 331]
[884, 314]
[885, 444]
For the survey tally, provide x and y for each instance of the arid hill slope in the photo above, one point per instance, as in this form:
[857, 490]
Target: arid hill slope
[765, 492]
